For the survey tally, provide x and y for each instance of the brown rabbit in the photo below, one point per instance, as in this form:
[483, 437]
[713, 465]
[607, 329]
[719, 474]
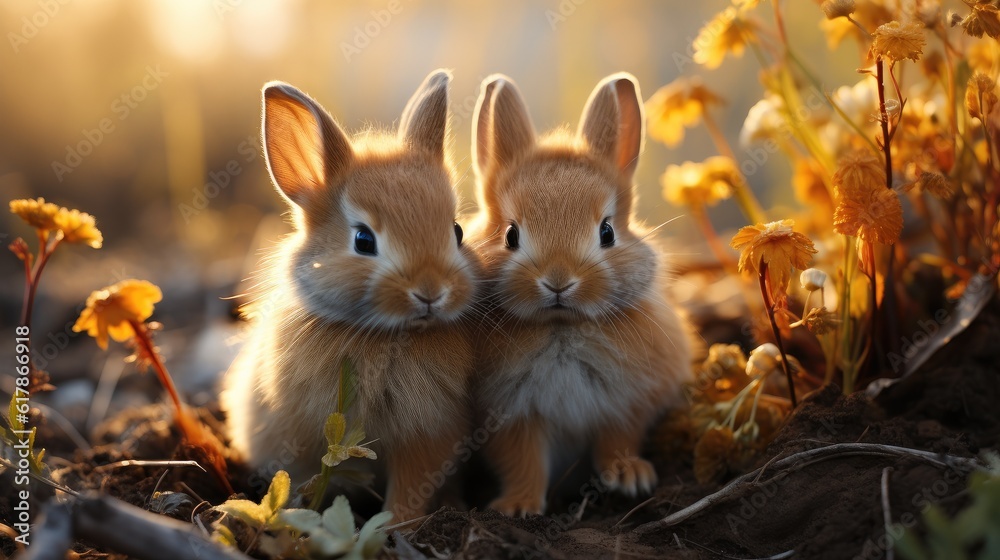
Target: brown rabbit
[586, 345]
[375, 272]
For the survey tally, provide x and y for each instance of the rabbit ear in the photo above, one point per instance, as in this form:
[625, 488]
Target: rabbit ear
[303, 146]
[425, 118]
[501, 125]
[612, 122]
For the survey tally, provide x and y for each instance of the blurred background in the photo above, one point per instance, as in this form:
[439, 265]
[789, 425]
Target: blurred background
[146, 115]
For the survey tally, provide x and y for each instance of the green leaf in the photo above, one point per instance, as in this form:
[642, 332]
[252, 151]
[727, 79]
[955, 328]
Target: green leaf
[246, 511]
[302, 520]
[15, 424]
[338, 519]
[277, 493]
[355, 435]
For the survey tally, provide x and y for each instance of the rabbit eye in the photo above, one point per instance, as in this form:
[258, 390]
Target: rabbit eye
[607, 233]
[458, 233]
[512, 239]
[364, 241]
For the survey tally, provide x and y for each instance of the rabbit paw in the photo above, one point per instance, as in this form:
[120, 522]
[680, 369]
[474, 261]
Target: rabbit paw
[630, 475]
[519, 506]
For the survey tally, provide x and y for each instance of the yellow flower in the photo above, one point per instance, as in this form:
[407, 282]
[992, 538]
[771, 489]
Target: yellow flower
[78, 227]
[729, 31]
[874, 215]
[109, 311]
[983, 56]
[776, 245]
[838, 8]
[980, 95]
[899, 41]
[677, 105]
[984, 18]
[38, 213]
[810, 187]
[859, 170]
[700, 184]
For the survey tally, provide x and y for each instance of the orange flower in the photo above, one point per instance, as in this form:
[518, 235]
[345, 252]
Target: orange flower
[859, 170]
[874, 215]
[677, 105]
[109, 311]
[38, 213]
[776, 245]
[700, 184]
[79, 227]
[984, 18]
[899, 41]
[980, 95]
[728, 32]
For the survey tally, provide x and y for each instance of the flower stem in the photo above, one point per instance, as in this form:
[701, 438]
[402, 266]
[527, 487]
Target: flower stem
[142, 338]
[769, 305]
[884, 118]
[744, 197]
[701, 218]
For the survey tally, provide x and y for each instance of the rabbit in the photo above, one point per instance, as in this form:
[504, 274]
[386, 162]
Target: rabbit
[376, 272]
[586, 346]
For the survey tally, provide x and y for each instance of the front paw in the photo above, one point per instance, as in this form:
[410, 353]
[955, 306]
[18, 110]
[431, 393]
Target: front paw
[630, 475]
[519, 506]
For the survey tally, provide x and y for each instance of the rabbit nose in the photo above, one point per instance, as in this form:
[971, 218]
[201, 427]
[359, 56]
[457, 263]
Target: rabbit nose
[560, 289]
[428, 299]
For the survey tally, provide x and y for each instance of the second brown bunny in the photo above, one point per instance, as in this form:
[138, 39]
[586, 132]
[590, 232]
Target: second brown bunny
[586, 347]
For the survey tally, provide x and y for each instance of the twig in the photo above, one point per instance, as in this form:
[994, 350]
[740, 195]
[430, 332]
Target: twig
[800, 460]
[114, 524]
[887, 514]
[137, 463]
[635, 509]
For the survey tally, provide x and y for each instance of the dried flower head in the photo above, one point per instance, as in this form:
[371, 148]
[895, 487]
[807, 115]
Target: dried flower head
[899, 41]
[819, 321]
[868, 13]
[79, 227]
[936, 184]
[838, 8]
[110, 310]
[983, 19]
[778, 246]
[980, 95]
[677, 105]
[859, 169]
[37, 213]
[700, 184]
[874, 215]
[20, 248]
[730, 31]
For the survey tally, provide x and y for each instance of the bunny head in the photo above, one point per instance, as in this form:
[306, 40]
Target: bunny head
[376, 242]
[555, 231]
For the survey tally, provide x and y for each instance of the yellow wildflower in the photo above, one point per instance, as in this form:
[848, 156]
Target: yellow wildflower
[899, 41]
[700, 184]
[78, 227]
[677, 105]
[984, 18]
[980, 95]
[110, 310]
[778, 246]
[729, 31]
[874, 215]
[838, 8]
[859, 169]
[38, 213]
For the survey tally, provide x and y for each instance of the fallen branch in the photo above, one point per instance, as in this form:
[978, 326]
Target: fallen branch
[116, 525]
[801, 460]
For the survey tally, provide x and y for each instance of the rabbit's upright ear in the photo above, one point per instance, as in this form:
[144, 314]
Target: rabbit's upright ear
[501, 126]
[424, 123]
[612, 122]
[303, 146]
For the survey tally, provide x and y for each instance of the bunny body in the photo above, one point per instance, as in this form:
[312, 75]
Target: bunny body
[586, 346]
[375, 274]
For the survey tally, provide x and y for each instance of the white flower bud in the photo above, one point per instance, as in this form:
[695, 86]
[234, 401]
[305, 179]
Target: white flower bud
[763, 360]
[812, 279]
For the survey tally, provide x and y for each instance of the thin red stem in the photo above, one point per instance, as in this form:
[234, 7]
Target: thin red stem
[884, 117]
[142, 338]
[769, 305]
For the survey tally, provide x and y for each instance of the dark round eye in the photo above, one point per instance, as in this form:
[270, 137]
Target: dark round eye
[607, 234]
[458, 233]
[364, 241]
[512, 239]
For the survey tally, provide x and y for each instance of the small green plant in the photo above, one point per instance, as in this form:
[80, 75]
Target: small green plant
[16, 420]
[974, 534]
[300, 533]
